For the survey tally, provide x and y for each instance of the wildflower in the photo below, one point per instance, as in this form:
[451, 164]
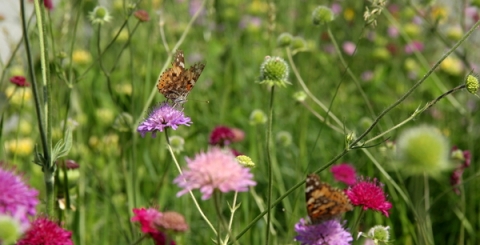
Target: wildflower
[422, 149]
[10, 229]
[45, 231]
[463, 159]
[258, 117]
[378, 234]
[48, 4]
[393, 31]
[160, 238]
[322, 15]
[370, 195]
[245, 161]
[349, 48]
[162, 117]
[284, 138]
[16, 198]
[20, 147]
[472, 84]
[452, 66]
[455, 33]
[414, 46]
[298, 44]
[172, 221]
[20, 81]
[146, 218]
[328, 232]
[300, 96]
[223, 136]
[345, 173]
[142, 15]
[81, 57]
[284, 40]
[274, 71]
[99, 15]
[214, 169]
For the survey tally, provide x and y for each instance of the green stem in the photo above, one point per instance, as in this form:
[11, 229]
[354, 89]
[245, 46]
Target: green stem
[269, 165]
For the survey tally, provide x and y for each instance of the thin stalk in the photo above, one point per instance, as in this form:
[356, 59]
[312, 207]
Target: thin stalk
[269, 165]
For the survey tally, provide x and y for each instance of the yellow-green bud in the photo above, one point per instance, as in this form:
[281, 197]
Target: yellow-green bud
[177, 143]
[284, 40]
[284, 138]
[300, 96]
[299, 43]
[99, 15]
[322, 15]
[258, 117]
[472, 84]
[245, 161]
[274, 71]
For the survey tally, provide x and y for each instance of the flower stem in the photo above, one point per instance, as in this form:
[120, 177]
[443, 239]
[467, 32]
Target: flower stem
[189, 191]
[269, 166]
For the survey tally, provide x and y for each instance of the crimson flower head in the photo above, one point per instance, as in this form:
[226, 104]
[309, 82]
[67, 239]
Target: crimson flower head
[214, 169]
[44, 231]
[328, 232]
[223, 136]
[162, 117]
[370, 195]
[345, 173]
[149, 219]
[20, 81]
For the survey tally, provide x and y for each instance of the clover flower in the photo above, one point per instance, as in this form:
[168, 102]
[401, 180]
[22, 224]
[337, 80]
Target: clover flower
[162, 117]
[328, 232]
[214, 169]
[370, 195]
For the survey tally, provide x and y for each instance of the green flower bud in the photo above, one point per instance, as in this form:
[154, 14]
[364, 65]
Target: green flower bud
[423, 149]
[274, 71]
[284, 40]
[472, 84]
[99, 15]
[379, 233]
[245, 161]
[284, 138]
[10, 229]
[299, 44]
[322, 15]
[258, 117]
[177, 143]
[300, 96]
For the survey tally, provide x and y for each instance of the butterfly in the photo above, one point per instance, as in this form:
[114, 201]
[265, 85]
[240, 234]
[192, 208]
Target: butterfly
[176, 82]
[323, 201]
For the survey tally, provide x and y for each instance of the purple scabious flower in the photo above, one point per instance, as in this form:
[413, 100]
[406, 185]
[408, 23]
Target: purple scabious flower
[16, 198]
[214, 169]
[45, 231]
[328, 232]
[162, 117]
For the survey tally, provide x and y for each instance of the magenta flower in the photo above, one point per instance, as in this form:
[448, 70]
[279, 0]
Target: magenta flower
[146, 218]
[16, 198]
[223, 136]
[20, 81]
[162, 117]
[161, 239]
[464, 158]
[45, 231]
[370, 195]
[328, 232]
[345, 173]
[214, 169]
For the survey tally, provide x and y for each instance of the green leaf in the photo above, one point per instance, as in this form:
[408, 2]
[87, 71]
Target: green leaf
[63, 146]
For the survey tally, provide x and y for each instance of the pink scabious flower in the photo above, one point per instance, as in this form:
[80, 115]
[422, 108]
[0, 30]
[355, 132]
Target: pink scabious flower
[16, 198]
[345, 173]
[44, 231]
[162, 117]
[328, 232]
[214, 169]
[20, 81]
[370, 195]
[349, 47]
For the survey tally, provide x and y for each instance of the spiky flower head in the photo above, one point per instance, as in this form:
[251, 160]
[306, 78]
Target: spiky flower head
[369, 195]
[162, 117]
[284, 40]
[322, 15]
[142, 15]
[422, 149]
[177, 143]
[45, 231]
[99, 15]
[274, 71]
[300, 96]
[378, 234]
[472, 84]
[298, 44]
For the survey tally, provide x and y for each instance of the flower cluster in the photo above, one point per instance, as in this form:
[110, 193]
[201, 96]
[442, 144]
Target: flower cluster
[162, 117]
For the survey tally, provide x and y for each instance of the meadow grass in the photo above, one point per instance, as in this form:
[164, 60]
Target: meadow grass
[355, 86]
